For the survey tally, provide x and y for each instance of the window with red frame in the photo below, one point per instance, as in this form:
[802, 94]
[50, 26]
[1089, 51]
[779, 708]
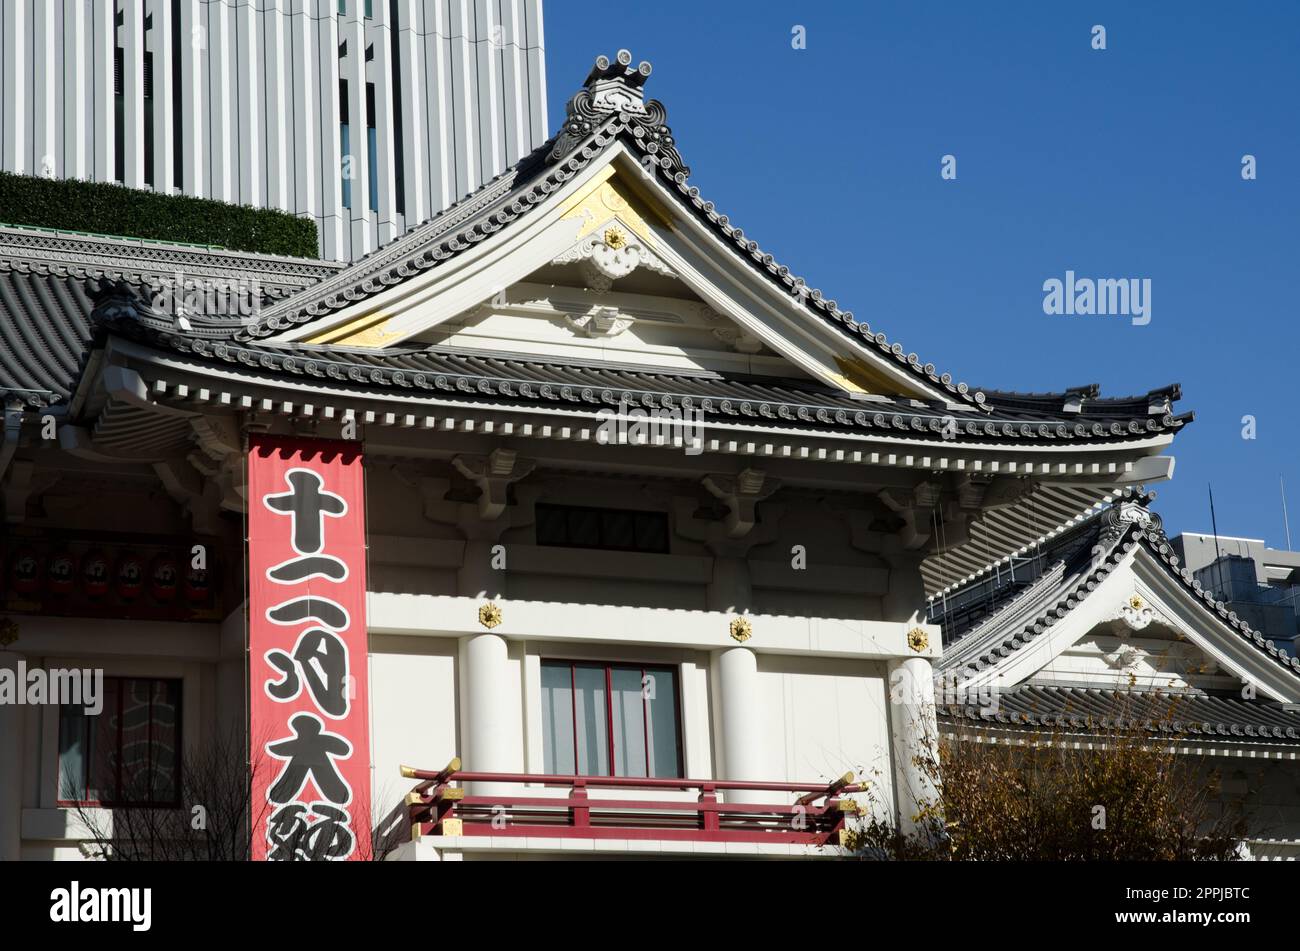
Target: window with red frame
[129, 753]
[610, 720]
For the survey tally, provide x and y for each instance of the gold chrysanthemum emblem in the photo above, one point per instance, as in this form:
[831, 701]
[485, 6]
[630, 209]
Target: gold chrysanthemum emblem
[489, 615]
[741, 629]
[615, 239]
[917, 639]
[1135, 603]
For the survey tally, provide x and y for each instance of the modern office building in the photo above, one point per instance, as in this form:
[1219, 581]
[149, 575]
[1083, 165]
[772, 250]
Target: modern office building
[369, 116]
[1261, 584]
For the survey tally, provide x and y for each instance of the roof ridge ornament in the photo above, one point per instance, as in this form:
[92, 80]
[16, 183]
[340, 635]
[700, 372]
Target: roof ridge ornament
[616, 89]
[116, 301]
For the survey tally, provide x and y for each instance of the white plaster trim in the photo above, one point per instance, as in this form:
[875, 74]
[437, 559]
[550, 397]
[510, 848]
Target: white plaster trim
[450, 616]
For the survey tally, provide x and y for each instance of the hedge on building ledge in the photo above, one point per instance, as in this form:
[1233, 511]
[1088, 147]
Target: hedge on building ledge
[109, 208]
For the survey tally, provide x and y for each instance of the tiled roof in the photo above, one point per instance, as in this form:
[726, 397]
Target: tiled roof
[610, 108]
[44, 336]
[1088, 553]
[760, 400]
[48, 281]
[143, 261]
[1085, 709]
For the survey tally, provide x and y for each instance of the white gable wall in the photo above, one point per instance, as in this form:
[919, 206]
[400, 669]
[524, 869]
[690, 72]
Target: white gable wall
[1206, 655]
[672, 333]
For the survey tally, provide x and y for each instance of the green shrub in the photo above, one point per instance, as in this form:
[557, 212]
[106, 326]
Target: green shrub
[109, 208]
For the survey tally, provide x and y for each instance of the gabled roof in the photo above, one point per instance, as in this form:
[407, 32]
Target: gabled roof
[611, 108]
[49, 279]
[1007, 609]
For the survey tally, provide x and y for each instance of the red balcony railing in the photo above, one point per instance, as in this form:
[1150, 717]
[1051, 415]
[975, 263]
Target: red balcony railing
[814, 816]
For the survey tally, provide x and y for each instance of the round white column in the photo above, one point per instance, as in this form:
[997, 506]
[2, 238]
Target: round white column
[489, 723]
[11, 766]
[914, 732]
[738, 696]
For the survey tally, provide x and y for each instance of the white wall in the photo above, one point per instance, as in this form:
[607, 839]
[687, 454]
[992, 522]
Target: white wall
[819, 717]
[413, 710]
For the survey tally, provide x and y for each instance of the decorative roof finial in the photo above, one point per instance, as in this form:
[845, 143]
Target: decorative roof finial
[615, 89]
[615, 86]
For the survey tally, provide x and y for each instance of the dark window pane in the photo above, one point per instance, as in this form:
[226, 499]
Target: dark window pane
[372, 149]
[617, 531]
[345, 143]
[137, 724]
[578, 526]
[557, 718]
[661, 723]
[591, 714]
[130, 752]
[627, 714]
[651, 532]
[104, 748]
[625, 711]
[165, 745]
[345, 138]
[399, 131]
[372, 146]
[74, 753]
[584, 528]
[551, 526]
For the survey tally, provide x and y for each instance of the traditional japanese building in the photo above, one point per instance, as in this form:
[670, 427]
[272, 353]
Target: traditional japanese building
[574, 495]
[1097, 626]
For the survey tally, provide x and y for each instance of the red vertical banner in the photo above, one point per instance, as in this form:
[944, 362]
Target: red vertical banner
[308, 722]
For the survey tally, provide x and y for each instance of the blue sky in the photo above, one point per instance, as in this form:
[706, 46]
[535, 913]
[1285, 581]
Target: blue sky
[1122, 163]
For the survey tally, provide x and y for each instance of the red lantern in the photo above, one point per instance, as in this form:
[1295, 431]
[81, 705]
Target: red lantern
[197, 584]
[94, 573]
[129, 576]
[61, 572]
[25, 570]
[163, 580]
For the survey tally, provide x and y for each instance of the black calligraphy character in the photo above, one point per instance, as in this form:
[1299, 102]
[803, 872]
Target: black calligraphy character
[311, 751]
[296, 833]
[285, 831]
[307, 503]
[323, 660]
[322, 610]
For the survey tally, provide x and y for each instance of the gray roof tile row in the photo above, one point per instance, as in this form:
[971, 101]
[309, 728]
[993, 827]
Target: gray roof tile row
[1107, 541]
[761, 400]
[1198, 716]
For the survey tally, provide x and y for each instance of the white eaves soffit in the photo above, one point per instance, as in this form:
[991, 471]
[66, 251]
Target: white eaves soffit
[614, 192]
[1142, 589]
